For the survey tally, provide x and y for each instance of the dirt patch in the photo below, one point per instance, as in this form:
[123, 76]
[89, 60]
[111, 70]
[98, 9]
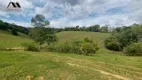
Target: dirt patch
[131, 67]
[33, 78]
[101, 71]
[14, 49]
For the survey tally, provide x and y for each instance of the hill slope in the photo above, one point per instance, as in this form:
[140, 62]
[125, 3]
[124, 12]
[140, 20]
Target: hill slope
[8, 40]
[97, 37]
[78, 35]
[17, 65]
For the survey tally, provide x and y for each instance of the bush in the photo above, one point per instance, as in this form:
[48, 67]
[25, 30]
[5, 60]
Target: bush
[76, 45]
[134, 49]
[31, 46]
[113, 44]
[88, 48]
[14, 32]
[65, 47]
[85, 47]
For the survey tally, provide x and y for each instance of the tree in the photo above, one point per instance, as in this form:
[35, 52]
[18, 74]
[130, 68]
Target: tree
[39, 33]
[124, 36]
[94, 28]
[127, 37]
[104, 29]
[50, 38]
[137, 28]
[39, 21]
[112, 43]
[77, 28]
[14, 32]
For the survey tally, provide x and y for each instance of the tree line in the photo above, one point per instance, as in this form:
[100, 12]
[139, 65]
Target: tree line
[14, 29]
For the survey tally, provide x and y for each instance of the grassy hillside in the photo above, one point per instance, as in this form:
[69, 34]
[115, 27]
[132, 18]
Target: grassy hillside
[97, 37]
[104, 65]
[78, 35]
[8, 40]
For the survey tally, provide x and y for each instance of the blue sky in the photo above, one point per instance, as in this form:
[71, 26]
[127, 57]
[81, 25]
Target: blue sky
[64, 13]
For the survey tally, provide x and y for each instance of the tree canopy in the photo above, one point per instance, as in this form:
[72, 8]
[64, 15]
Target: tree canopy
[40, 33]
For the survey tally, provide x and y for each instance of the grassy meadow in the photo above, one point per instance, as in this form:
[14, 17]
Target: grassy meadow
[104, 65]
[78, 35]
[7, 40]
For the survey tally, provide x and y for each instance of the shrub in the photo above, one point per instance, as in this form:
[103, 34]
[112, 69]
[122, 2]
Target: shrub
[50, 38]
[75, 47]
[88, 48]
[31, 46]
[14, 32]
[65, 47]
[113, 44]
[85, 47]
[134, 49]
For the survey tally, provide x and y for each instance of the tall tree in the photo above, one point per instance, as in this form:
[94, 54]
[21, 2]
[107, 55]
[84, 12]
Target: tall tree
[39, 21]
[40, 33]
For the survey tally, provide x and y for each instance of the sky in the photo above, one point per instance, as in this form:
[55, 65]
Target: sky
[66, 13]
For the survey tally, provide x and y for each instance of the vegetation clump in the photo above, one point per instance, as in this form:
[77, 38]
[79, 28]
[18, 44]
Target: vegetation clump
[85, 47]
[112, 43]
[134, 49]
[128, 37]
[14, 32]
[31, 46]
[39, 33]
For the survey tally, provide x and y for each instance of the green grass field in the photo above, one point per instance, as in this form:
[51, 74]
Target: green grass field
[7, 40]
[104, 65]
[78, 35]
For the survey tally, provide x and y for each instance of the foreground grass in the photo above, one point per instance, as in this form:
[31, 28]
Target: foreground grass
[16, 65]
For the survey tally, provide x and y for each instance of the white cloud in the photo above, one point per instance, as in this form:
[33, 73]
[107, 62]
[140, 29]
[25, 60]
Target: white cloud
[25, 24]
[63, 13]
[113, 20]
[82, 8]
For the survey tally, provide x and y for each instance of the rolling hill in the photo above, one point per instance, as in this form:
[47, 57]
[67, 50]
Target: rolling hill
[78, 35]
[104, 65]
[97, 37]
